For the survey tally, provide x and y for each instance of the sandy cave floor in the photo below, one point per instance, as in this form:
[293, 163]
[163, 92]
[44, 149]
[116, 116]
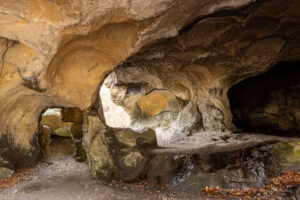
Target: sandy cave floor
[66, 179]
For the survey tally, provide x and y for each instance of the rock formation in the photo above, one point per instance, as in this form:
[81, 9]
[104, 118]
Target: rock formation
[75, 116]
[116, 153]
[203, 62]
[183, 56]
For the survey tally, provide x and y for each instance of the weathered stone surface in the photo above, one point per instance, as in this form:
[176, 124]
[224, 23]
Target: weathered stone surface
[54, 121]
[289, 155]
[72, 115]
[189, 120]
[162, 169]
[63, 132]
[206, 59]
[57, 53]
[116, 154]
[156, 109]
[5, 164]
[228, 169]
[126, 138]
[18, 156]
[77, 135]
[44, 139]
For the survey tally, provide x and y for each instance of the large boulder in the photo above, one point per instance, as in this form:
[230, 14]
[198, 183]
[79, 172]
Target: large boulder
[117, 154]
[55, 122]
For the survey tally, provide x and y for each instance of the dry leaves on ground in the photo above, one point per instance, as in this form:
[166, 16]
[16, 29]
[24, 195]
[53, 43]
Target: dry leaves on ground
[20, 175]
[280, 183]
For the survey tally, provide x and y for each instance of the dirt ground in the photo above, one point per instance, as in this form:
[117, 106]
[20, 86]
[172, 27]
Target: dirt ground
[65, 179]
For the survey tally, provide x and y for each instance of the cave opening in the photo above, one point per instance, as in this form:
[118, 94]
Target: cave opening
[115, 116]
[60, 133]
[269, 103]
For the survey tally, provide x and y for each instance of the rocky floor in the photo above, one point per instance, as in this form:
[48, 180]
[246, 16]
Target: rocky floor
[64, 178]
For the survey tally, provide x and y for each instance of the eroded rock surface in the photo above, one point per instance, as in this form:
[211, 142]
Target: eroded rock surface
[114, 153]
[185, 55]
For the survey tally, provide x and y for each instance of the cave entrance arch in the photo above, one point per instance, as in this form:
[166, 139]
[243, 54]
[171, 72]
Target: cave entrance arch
[60, 133]
[269, 103]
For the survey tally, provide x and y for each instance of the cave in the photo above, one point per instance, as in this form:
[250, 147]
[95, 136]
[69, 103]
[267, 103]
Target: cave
[270, 102]
[146, 81]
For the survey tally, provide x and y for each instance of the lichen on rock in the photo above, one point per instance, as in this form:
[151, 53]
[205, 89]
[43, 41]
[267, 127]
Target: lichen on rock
[5, 173]
[114, 153]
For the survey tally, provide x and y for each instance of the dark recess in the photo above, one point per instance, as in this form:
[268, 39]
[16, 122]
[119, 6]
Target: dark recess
[269, 103]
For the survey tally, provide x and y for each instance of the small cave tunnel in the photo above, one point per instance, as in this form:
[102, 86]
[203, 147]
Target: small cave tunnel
[269, 103]
[60, 133]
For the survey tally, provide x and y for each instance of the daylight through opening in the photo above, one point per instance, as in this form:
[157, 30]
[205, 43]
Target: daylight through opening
[110, 95]
[60, 133]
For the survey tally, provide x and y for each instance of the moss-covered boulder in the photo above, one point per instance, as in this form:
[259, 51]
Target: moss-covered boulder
[288, 154]
[114, 153]
[5, 163]
[130, 138]
[55, 122]
[5, 172]
[100, 159]
[131, 164]
[125, 137]
[62, 131]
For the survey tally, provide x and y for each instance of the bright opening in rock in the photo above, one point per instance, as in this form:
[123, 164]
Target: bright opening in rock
[115, 116]
[54, 132]
[269, 103]
[52, 118]
[60, 133]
